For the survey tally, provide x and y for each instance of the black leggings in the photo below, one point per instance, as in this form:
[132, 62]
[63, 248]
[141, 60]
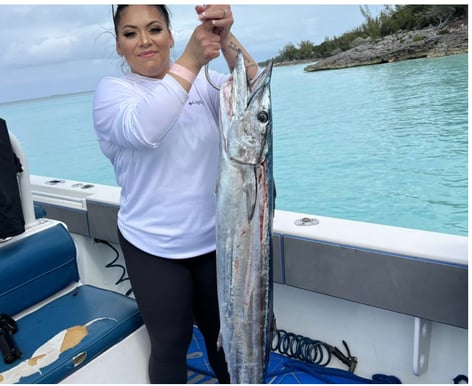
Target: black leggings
[171, 295]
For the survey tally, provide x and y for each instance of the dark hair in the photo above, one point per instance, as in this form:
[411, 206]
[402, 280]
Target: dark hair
[121, 7]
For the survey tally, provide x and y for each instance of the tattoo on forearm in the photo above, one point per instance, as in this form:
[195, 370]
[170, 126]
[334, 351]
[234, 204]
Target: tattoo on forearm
[234, 47]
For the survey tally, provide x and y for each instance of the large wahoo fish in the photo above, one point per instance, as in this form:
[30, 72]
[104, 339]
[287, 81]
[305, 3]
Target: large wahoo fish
[245, 207]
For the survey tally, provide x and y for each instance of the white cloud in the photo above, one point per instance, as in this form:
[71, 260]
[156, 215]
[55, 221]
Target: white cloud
[38, 35]
[40, 44]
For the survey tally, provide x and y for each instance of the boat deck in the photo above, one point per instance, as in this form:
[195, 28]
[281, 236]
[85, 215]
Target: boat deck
[281, 370]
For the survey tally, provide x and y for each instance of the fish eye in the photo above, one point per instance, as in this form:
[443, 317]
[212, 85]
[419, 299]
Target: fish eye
[262, 116]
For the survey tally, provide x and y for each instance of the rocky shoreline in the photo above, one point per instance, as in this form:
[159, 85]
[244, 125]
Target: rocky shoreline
[424, 43]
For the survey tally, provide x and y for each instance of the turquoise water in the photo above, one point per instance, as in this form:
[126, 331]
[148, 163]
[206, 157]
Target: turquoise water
[385, 144]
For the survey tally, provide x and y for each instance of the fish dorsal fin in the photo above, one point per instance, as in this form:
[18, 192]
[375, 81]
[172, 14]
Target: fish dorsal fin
[240, 86]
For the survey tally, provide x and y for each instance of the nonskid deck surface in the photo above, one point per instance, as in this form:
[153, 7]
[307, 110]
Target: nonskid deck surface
[282, 369]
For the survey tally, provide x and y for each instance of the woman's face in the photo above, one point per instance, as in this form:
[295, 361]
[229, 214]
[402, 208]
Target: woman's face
[145, 40]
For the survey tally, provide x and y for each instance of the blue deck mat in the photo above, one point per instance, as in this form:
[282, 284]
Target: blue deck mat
[281, 369]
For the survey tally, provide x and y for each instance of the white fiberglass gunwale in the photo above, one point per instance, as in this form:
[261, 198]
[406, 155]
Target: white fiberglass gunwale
[442, 247]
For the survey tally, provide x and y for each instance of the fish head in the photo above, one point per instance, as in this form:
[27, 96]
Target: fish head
[246, 114]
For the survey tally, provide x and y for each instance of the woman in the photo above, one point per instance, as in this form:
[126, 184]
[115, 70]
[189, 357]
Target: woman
[158, 125]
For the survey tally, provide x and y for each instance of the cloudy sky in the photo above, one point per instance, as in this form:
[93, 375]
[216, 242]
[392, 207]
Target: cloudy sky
[60, 49]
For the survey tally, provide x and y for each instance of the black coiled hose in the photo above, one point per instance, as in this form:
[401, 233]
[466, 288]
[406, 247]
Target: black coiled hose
[300, 347]
[113, 264]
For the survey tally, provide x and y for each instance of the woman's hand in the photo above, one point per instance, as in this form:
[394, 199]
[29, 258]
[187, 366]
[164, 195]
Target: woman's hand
[203, 46]
[220, 16]
[222, 20]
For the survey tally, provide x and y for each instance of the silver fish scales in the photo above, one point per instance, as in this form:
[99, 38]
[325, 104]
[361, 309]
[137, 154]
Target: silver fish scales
[245, 208]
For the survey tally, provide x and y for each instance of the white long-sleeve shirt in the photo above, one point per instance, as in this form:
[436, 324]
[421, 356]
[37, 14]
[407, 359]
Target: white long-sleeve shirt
[163, 144]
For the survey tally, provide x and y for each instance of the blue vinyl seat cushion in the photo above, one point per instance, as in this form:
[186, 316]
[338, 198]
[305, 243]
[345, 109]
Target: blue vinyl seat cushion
[39, 211]
[35, 267]
[65, 334]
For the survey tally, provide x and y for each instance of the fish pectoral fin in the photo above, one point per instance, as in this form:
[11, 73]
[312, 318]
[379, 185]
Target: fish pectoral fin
[274, 324]
[219, 341]
[250, 191]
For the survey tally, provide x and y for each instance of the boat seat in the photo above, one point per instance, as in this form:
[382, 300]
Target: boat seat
[39, 211]
[62, 324]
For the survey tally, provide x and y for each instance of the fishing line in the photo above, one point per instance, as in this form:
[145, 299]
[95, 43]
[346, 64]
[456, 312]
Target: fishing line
[113, 264]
